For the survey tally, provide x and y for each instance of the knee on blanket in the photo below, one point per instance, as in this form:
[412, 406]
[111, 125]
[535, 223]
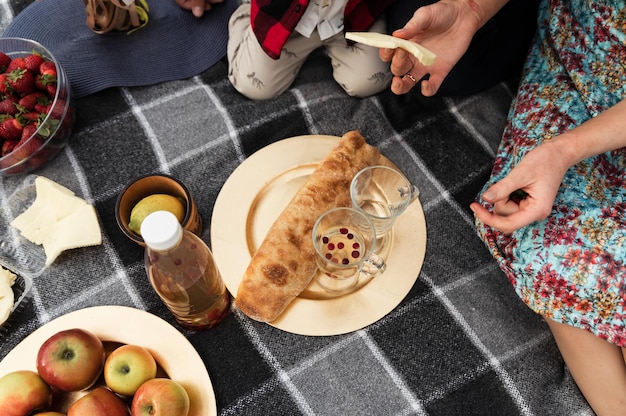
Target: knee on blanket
[364, 85]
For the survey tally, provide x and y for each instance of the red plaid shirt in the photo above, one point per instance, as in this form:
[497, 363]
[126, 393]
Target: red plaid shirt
[273, 21]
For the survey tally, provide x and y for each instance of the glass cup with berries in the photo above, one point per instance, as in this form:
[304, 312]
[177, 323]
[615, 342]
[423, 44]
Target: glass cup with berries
[36, 106]
[345, 242]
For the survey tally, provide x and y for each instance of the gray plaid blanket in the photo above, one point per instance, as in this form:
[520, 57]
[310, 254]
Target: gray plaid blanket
[460, 342]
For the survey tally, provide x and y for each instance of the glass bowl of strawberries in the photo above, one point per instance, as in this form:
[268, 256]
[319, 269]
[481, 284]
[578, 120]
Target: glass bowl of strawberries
[36, 106]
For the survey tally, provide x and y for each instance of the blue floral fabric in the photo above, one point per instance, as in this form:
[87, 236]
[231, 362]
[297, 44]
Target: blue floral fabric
[570, 267]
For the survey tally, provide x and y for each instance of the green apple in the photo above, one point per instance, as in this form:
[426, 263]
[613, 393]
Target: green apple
[22, 392]
[71, 360]
[99, 402]
[127, 368]
[160, 397]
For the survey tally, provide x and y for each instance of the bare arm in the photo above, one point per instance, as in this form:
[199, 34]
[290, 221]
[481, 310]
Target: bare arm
[197, 7]
[541, 171]
[446, 28]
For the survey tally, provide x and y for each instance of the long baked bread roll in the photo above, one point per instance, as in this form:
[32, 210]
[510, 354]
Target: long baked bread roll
[284, 264]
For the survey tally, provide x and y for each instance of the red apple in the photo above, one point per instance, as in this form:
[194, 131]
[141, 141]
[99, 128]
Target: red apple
[99, 402]
[160, 397]
[71, 360]
[49, 414]
[23, 392]
[127, 368]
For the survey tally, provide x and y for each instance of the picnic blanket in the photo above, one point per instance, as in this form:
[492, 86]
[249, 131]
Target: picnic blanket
[459, 343]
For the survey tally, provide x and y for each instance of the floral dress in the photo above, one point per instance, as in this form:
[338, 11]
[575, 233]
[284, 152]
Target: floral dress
[570, 267]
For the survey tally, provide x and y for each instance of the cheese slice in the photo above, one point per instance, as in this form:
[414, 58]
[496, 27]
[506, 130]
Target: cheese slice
[52, 203]
[7, 298]
[80, 229]
[381, 40]
[59, 220]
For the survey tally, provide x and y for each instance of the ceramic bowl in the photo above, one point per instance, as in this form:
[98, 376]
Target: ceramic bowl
[149, 185]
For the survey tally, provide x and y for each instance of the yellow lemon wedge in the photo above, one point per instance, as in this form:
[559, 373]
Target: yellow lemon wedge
[152, 203]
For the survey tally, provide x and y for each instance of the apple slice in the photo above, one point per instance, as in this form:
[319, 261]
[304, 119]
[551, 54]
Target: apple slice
[380, 40]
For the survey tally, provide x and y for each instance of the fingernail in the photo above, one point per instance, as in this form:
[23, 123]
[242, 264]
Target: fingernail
[197, 11]
[489, 195]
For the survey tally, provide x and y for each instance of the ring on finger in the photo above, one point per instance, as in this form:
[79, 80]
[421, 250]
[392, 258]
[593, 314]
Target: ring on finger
[411, 77]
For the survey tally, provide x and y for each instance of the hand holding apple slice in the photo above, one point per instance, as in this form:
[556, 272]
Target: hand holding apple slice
[380, 40]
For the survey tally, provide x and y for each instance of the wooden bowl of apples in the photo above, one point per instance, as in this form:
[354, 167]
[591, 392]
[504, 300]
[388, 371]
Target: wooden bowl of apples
[107, 360]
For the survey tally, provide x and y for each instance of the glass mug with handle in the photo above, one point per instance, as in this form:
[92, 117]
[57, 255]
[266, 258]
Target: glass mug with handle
[382, 193]
[345, 242]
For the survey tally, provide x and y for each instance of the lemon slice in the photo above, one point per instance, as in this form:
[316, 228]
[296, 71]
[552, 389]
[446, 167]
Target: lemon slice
[380, 40]
[152, 203]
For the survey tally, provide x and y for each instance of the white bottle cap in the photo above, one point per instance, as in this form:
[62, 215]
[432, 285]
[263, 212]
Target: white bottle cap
[161, 230]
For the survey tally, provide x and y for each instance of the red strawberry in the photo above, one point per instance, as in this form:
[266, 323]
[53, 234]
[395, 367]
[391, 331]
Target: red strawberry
[48, 68]
[7, 147]
[51, 89]
[56, 112]
[4, 85]
[4, 61]
[42, 81]
[32, 61]
[16, 63]
[21, 81]
[29, 101]
[8, 106]
[11, 129]
[32, 116]
[25, 147]
[28, 131]
[42, 108]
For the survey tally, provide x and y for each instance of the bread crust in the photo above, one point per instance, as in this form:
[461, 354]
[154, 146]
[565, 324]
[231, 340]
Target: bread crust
[284, 264]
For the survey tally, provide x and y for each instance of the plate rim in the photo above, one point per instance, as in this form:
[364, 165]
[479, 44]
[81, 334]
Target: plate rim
[370, 296]
[149, 330]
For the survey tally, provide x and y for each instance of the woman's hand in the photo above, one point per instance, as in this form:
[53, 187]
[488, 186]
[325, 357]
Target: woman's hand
[541, 171]
[539, 174]
[446, 28]
[197, 7]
